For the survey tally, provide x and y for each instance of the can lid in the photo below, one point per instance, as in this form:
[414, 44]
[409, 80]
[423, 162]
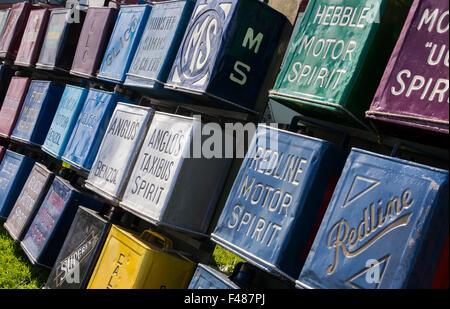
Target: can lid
[14, 154]
[154, 238]
[401, 161]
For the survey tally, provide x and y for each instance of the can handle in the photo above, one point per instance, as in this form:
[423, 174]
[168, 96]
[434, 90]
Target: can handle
[293, 126]
[404, 144]
[156, 238]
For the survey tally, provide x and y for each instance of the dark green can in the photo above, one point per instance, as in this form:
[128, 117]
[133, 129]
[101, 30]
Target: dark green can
[337, 56]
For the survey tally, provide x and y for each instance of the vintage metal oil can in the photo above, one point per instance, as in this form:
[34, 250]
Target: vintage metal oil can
[226, 51]
[90, 128]
[92, 42]
[158, 47]
[32, 38]
[14, 171]
[29, 201]
[37, 113]
[66, 116]
[130, 261]
[80, 251]
[61, 39]
[166, 169]
[414, 89]
[276, 199]
[52, 222]
[13, 30]
[123, 43]
[337, 57]
[384, 227]
[12, 104]
[118, 152]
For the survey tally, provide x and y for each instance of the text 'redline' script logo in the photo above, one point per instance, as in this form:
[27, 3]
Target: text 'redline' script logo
[376, 222]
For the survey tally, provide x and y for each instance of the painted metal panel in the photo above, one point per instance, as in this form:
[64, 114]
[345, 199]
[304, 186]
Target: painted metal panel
[226, 51]
[93, 40]
[123, 43]
[12, 104]
[271, 210]
[52, 222]
[61, 39]
[206, 277]
[3, 19]
[80, 251]
[32, 38]
[159, 45]
[13, 30]
[90, 128]
[37, 113]
[165, 171]
[414, 89]
[63, 123]
[118, 151]
[337, 57]
[29, 201]
[383, 227]
[128, 261]
[14, 171]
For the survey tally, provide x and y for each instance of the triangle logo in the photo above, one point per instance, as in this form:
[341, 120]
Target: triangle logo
[225, 8]
[360, 186]
[372, 280]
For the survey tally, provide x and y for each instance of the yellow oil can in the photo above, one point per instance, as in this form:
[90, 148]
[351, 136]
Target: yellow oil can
[146, 261]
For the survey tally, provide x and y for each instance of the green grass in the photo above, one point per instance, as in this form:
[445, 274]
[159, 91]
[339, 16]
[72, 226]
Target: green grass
[16, 272]
[224, 260]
